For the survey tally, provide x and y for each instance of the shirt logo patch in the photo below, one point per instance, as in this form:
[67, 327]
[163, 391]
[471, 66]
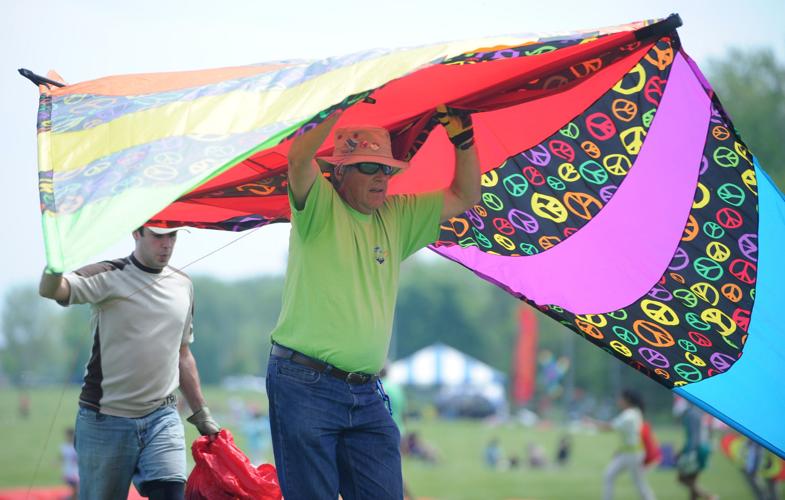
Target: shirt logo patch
[379, 254]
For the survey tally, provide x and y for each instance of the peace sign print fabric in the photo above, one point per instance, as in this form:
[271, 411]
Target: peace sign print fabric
[690, 321]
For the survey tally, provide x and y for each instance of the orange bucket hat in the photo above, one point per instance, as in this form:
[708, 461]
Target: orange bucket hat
[361, 143]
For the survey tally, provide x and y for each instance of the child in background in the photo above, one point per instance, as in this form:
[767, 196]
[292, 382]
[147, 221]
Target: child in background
[70, 463]
[563, 451]
[493, 454]
[536, 456]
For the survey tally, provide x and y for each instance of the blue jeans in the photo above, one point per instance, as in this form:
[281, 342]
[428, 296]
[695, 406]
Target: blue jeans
[330, 436]
[113, 451]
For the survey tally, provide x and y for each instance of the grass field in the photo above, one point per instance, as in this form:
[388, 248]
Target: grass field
[29, 454]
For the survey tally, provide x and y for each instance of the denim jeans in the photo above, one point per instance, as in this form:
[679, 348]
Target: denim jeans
[330, 436]
[113, 451]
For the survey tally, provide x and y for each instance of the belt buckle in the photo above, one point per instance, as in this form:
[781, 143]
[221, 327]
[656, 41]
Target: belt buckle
[356, 378]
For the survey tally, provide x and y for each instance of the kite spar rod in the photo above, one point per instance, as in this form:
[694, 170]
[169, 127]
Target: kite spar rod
[660, 28]
[668, 24]
[38, 79]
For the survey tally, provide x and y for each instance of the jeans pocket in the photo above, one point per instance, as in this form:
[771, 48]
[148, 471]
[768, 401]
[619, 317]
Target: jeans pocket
[298, 373]
[89, 415]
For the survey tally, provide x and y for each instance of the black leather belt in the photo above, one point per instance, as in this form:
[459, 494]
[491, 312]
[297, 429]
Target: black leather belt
[170, 400]
[354, 378]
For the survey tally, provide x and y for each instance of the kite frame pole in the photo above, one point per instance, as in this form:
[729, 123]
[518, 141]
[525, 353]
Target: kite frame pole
[658, 29]
[38, 79]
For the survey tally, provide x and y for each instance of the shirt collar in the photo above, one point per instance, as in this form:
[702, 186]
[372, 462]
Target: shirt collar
[144, 268]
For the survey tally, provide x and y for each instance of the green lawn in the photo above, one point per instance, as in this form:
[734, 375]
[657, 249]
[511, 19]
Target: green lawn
[462, 474]
[459, 474]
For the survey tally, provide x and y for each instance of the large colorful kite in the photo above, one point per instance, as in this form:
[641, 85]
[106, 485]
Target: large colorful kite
[617, 196]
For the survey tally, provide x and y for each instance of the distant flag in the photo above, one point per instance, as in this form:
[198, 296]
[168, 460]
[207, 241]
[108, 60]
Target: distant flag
[524, 366]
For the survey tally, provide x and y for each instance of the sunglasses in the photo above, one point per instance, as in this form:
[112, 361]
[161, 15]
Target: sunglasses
[370, 168]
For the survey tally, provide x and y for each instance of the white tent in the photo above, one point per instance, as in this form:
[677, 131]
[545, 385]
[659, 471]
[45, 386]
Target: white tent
[454, 372]
[441, 365]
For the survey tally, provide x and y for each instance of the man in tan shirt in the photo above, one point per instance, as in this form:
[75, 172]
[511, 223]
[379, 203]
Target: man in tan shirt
[127, 427]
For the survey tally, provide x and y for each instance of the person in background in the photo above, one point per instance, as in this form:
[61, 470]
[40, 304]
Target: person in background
[493, 454]
[24, 405]
[415, 447]
[70, 463]
[535, 456]
[694, 455]
[257, 432]
[563, 451]
[629, 455]
[396, 402]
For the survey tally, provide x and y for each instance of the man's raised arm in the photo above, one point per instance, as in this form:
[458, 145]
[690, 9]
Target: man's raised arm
[464, 191]
[54, 286]
[302, 169]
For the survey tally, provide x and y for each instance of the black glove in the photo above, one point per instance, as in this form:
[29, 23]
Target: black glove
[458, 126]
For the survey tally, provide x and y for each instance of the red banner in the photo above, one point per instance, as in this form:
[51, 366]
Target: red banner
[524, 363]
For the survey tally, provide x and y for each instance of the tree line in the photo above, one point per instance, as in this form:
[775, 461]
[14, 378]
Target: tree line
[437, 302]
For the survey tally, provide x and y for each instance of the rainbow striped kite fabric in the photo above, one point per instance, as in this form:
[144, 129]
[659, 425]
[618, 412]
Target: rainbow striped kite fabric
[617, 197]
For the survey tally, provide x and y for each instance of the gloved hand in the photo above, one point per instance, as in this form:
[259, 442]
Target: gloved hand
[458, 126]
[204, 422]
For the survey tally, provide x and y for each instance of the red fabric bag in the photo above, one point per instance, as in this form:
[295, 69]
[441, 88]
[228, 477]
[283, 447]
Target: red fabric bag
[651, 448]
[222, 471]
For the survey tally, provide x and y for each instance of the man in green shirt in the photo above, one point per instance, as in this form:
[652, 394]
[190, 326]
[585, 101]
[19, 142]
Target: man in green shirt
[331, 430]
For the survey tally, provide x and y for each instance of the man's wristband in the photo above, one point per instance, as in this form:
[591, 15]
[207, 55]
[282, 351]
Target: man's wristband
[462, 141]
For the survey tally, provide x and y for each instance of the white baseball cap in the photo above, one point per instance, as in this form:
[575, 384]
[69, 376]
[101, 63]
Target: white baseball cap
[166, 230]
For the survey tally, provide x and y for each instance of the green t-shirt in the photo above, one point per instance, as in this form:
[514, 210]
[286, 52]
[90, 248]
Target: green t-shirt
[397, 403]
[342, 275]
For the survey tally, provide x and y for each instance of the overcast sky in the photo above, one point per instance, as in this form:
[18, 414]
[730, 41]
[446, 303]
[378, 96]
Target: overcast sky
[84, 40]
